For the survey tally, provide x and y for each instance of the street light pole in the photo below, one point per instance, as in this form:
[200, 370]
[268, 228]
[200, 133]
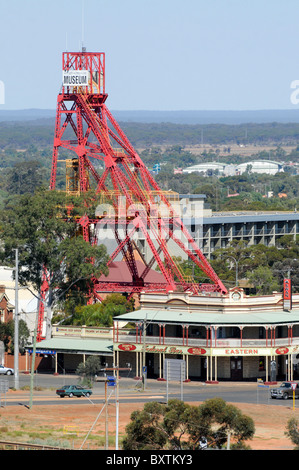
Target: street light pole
[144, 373]
[16, 329]
[33, 357]
[116, 384]
[237, 268]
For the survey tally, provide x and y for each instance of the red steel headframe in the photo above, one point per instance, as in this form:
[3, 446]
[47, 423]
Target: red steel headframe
[108, 161]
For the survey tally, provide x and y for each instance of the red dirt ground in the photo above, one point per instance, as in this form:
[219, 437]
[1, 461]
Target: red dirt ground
[270, 421]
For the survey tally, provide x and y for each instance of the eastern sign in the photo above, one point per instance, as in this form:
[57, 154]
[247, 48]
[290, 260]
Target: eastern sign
[199, 351]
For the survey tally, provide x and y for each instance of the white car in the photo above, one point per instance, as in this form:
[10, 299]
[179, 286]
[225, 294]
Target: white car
[6, 370]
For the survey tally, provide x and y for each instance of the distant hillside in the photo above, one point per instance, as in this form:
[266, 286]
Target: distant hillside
[26, 114]
[209, 117]
[177, 117]
[40, 132]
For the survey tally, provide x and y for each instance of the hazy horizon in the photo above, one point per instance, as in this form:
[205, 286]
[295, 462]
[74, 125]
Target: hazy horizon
[160, 55]
[191, 117]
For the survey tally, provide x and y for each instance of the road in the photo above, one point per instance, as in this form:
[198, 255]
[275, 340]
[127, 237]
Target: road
[130, 390]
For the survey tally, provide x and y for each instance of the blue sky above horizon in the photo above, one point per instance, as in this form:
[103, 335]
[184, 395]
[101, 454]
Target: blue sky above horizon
[160, 55]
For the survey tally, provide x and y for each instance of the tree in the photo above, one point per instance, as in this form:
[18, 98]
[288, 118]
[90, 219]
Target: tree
[225, 421]
[100, 313]
[263, 281]
[40, 227]
[89, 369]
[145, 431]
[24, 335]
[24, 177]
[293, 432]
[178, 426]
[289, 267]
[6, 333]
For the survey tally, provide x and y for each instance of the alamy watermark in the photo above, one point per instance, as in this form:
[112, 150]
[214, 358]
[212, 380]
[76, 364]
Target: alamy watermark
[295, 94]
[2, 92]
[151, 222]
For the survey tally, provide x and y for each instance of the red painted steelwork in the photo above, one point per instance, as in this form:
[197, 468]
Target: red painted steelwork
[106, 159]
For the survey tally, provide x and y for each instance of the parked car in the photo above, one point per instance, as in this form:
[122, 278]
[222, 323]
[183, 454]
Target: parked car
[73, 391]
[6, 370]
[285, 391]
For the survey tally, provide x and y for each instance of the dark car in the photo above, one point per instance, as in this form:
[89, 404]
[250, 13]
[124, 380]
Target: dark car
[285, 391]
[73, 391]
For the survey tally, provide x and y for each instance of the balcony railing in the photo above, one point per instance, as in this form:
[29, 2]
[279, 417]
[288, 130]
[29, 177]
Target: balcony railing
[215, 343]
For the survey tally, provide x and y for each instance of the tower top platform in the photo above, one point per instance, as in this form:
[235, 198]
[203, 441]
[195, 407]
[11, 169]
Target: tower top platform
[83, 72]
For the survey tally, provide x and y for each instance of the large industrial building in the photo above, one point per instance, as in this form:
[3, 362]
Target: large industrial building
[268, 167]
[206, 168]
[214, 230]
[255, 228]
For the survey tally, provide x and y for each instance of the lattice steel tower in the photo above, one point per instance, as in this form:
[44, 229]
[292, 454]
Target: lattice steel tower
[105, 160]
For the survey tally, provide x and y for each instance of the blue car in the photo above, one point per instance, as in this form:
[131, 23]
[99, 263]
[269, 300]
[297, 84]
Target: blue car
[73, 391]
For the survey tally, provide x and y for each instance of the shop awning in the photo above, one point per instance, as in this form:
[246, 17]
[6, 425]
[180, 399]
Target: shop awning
[75, 346]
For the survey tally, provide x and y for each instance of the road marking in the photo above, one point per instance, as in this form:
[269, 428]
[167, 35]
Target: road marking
[92, 397]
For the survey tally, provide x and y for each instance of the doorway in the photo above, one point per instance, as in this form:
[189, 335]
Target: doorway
[236, 368]
[150, 363]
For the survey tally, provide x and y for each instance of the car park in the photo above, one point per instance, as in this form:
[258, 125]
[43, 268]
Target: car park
[285, 390]
[6, 370]
[73, 391]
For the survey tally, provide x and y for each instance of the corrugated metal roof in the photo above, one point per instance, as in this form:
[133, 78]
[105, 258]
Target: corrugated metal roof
[233, 218]
[79, 345]
[237, 218]
[213, 318]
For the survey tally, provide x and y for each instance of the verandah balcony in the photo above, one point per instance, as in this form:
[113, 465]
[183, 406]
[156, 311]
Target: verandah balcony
[210, 342]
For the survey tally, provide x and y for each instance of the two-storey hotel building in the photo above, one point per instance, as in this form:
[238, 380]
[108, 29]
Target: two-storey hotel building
[231, 337]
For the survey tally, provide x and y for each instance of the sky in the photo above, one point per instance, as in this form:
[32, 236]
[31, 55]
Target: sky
[160, 54]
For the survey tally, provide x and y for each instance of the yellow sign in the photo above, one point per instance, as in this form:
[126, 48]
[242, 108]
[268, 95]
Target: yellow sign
[71, 430]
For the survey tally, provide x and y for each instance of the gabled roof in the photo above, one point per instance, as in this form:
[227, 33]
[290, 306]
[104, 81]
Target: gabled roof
[119, 272]
[4, 296]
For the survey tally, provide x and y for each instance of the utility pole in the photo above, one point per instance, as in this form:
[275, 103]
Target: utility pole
[237, 267]
[16, 329]
[33, 357]
[228, 441]
[117, 408]
[144, 354]
[106, 419]
[116, 385]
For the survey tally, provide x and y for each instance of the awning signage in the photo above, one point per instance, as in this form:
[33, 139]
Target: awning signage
[282, 351]
[196, 351]
[127, 347]
[49, 352]
[193, 351]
